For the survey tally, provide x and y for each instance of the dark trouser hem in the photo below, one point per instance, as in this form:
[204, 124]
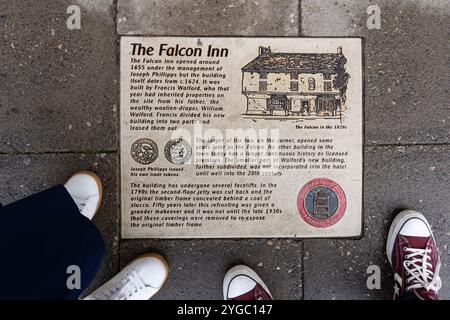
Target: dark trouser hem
[40, 238]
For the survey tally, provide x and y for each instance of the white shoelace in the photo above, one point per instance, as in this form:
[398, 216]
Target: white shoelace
[418, 266]
[124, 289]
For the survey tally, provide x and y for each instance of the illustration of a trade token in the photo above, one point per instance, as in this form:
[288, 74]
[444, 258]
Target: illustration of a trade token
[321, 202]
[144, 151]
[178, 151]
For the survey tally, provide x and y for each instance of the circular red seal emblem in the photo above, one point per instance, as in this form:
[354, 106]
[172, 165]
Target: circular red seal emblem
[321, 202]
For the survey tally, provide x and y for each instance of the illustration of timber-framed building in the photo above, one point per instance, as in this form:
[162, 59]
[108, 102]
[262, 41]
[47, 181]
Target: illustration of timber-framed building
[302, 84]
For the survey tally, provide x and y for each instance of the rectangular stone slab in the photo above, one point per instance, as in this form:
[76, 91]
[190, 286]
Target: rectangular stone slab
[23, 175]
[197, 267]
[208, 18]
[241, 137]
[406, 64]
[59, 87]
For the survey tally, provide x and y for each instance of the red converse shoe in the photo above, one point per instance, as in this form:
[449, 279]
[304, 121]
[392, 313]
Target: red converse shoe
[413, 255]
[242, 283]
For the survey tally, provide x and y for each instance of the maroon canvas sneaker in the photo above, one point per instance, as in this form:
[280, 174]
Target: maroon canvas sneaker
[242, 283]
[413, 255]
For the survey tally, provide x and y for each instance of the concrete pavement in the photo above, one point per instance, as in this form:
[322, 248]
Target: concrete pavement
[59, 93]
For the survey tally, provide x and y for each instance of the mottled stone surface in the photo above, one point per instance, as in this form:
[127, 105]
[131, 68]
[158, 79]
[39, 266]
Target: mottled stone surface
[24, 175]
[407, 64]
[208, 17]
[197, 267]
[58, 87]
[59, 92]
[396, 178]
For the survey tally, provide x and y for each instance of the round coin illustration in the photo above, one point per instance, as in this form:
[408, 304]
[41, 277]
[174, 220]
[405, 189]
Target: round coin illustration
[178, 151]
[321, 202]
[144, 151]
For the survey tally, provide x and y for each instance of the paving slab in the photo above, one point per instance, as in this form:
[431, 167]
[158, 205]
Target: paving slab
[406, 72]
[58, 87]
[24, 175]
[197, 267]
[208, 17]
[396, 178]
[59, 93]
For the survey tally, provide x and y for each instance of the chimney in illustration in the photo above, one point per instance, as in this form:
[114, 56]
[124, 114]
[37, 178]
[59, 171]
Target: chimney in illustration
[264, 50]
[339, 50]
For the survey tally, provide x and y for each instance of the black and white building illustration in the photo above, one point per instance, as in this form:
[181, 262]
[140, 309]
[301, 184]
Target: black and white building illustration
[310, 85]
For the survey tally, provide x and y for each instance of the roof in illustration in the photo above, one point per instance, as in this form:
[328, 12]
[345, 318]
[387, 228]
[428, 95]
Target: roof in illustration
[293, 62]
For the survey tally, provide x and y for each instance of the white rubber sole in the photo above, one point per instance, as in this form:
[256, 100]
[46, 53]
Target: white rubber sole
[397, 225]
[122, 273]
[241, 270]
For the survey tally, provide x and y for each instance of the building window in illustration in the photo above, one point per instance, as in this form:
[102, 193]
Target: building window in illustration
[311, 84]
[262, 86]
[263, 82]
[327, 86]
[294, 81]
[294, 85]
[326, 107]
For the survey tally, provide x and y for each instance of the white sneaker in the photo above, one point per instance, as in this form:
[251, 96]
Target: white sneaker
[242, 283]
[140, 280]
[85, 188]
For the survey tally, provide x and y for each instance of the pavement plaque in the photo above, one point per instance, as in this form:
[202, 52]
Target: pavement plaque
[241, 137]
